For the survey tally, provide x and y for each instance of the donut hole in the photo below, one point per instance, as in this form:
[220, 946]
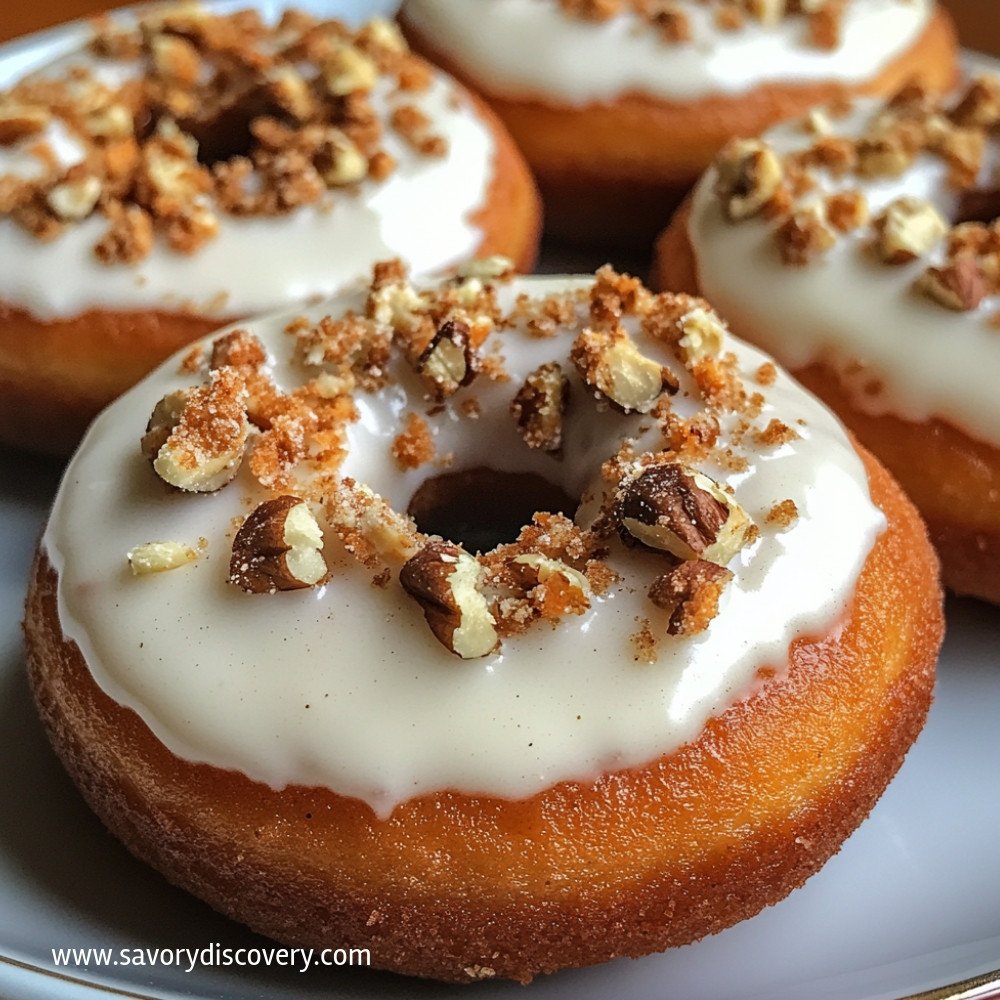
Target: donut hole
[482, 508]
[225, 131]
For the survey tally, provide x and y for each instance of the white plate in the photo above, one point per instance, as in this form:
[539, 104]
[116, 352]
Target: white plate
[910, 904]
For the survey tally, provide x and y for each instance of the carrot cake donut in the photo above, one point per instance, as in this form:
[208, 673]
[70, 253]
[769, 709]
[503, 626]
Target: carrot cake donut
[497, 626]
[861, 248]
[619, 105]
[192, 169]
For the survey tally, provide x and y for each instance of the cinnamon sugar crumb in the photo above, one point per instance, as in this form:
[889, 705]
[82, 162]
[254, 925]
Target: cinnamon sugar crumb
[783, 514]
[415, 445]
[767, 373]
[643, 642]
[776, 433]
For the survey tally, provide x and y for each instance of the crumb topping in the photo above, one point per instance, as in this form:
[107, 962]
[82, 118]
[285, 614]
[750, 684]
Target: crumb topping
[960, 255]
[211, 115]
[619, 342]
[821, 20]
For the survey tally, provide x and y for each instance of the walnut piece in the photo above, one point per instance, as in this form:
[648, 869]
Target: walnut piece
[907, 229]
[75, 200]
[804, 235]
[444, 580]
[958, 285]
[691, 591]
[203, 432]
[18, 121]
[703, 334]
[611, 364]
[539, 406]
[278, 547]
[449, 361]
[678, 510]
[158, 557]
[749, 175]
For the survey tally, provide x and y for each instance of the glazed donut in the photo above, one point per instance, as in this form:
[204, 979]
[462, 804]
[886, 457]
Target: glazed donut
[596, 737]
[872, 274]
[176, 175]
[619, 105]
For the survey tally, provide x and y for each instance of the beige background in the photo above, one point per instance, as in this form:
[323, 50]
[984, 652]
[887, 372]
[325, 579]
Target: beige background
[979, 20]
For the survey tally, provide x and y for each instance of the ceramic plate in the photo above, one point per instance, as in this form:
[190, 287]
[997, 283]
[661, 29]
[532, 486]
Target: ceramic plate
[910, 904]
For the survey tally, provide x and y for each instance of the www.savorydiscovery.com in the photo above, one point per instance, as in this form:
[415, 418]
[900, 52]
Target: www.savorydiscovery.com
[212, 956]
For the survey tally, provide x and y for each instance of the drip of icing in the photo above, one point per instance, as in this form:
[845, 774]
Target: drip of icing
[424, 212]
[531, 49]
[345, 687]
[846, 307]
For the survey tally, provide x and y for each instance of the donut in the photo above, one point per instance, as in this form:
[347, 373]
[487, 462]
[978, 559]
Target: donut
[175, 175]
[520, 624]
[619, 105]
[871, 274]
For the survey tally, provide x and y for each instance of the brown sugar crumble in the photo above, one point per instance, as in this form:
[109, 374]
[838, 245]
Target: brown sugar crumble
[225, 115]
[783, 514]
[415, 445]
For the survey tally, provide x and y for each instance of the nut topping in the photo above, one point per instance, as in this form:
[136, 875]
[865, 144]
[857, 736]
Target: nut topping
[204, 447]
[278, 547]
[75, 200]
[677, 510]
[958, 285]
[907, 229]
[165, 417]
[18, 121]
[703, 333]
[749, 176]
[611, 364]
[449, 362]
[158, 557]
[691, 591]
[539, 406]
[444, 580]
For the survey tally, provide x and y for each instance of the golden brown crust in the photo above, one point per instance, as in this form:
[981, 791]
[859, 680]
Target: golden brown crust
[952, 478]
[55, 377]
[454, 884]
[615, 170]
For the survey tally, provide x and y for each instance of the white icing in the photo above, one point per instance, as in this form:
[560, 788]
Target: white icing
[526, 48]
[847, 307]
[345, 686]
[422, 213]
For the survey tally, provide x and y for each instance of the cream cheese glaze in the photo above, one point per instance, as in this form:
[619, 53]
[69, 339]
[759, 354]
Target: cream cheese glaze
[920, 360]
[529, 48]
[424, 212]
[345, 687]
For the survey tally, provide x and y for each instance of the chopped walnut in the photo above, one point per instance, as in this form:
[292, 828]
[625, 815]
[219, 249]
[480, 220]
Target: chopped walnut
[611, 365]
[691, 592]
[907, 229]
[749, 175]
[445, 581]
[847, 210]
[803, 236]
[677, 510]
[958, 284]
[539, 406]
